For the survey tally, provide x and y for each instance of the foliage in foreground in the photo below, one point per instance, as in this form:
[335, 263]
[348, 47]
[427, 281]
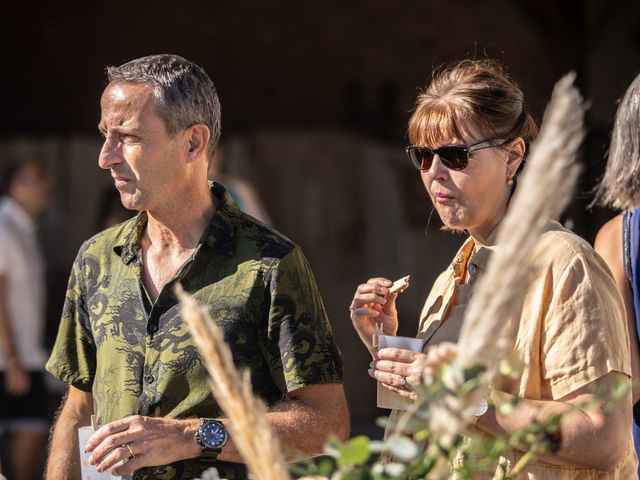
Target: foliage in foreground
[426, 441]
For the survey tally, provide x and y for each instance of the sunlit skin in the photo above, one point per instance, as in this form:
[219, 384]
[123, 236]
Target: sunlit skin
[474, 199]
[144, 159]
[608, 244]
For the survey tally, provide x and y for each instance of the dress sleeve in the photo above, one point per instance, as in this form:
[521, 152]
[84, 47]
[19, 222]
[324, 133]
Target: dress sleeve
[584, 335]
[73, 359]
[300, 346]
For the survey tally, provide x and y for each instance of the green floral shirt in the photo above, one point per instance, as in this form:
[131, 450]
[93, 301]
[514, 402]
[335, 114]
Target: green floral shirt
[138, 358]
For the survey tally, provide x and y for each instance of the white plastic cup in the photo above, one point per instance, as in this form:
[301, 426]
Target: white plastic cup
[385, 397]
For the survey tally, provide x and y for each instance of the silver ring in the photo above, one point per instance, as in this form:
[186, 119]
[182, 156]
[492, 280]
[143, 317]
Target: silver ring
[403, 382]
[128, 447]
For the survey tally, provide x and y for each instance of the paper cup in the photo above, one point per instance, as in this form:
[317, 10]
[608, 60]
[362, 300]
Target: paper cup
[89, 472]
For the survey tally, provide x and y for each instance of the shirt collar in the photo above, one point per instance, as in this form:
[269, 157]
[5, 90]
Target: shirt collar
[459, 263]
[470, 254]
[219, 234]
[18, 215]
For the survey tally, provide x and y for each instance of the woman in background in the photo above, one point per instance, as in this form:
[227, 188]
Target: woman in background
[618, 241]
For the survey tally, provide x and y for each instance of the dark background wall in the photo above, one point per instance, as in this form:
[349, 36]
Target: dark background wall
[315, 96]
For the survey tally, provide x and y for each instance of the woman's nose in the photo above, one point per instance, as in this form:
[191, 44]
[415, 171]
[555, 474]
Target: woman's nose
[437, 169]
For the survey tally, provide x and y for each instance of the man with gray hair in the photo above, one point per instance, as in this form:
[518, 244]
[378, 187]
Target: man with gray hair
[122, 346]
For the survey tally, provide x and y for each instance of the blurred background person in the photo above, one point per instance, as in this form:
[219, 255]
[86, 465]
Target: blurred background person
[27, 190]
[618, 241]
[240, 190]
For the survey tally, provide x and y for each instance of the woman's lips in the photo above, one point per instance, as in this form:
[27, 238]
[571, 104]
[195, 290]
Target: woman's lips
[443, 198]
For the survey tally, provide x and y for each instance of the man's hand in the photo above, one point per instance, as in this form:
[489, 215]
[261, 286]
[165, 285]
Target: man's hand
[142, 442]
[16, 381]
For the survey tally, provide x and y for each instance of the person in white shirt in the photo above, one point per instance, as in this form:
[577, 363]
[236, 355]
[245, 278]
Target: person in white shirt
[27, 189]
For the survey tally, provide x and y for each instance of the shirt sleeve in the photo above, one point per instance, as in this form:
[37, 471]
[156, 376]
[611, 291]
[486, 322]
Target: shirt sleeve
[73, 359]
[584, 335]
[301, 349]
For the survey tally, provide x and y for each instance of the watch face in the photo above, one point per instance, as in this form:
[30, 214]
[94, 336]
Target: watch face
[213, 434]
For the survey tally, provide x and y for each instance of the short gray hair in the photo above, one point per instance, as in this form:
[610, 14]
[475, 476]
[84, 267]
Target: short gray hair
[620, 185]
[183, 93]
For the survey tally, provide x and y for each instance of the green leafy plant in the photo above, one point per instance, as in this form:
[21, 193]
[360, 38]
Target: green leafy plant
[415, 450]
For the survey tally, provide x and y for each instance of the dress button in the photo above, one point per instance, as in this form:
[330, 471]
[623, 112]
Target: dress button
[150, 379]
[473, 269]
[153, 328]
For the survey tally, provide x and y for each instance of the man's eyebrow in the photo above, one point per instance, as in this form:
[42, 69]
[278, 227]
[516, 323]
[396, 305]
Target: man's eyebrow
[118, 129]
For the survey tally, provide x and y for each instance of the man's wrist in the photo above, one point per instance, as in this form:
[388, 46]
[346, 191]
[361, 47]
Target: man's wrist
[193, 449]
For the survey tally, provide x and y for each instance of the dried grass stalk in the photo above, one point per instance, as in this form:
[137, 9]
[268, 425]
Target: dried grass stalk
[491, 321]
[249, 428]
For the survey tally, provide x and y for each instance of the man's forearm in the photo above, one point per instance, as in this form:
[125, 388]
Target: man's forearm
[64, 458]
[303, 428]
[299, 432]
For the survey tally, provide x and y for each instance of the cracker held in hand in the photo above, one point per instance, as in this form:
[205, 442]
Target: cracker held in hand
[399, 286]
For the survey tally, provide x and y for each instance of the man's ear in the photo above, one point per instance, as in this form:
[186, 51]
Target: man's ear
[198, 137]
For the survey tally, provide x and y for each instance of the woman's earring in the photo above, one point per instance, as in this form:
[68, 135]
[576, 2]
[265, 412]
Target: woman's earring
[510, 181]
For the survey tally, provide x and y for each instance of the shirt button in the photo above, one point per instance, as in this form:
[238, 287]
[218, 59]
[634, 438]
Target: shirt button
[473, 269]
[153, 328]
[150, 379]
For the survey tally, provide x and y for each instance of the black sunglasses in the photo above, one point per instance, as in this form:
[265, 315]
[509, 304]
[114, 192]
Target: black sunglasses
[454, 157]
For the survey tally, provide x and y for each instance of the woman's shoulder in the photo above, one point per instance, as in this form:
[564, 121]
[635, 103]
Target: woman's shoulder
[610, 233]
[561, 247]
[608, 244]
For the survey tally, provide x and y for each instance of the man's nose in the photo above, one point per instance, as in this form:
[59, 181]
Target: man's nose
[110, 154]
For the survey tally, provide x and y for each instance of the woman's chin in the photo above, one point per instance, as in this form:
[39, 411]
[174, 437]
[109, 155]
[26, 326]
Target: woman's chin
[453, 223]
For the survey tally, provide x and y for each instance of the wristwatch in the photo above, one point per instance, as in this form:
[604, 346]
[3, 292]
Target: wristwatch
[212, 437]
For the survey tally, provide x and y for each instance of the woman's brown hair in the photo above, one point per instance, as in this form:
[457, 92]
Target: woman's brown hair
[467, 94]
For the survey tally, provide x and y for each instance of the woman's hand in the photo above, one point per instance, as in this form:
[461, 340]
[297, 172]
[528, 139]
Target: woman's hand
[397, 369]
[372, 305]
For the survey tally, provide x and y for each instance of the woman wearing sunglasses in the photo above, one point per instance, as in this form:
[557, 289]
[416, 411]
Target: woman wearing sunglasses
[470, 135]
